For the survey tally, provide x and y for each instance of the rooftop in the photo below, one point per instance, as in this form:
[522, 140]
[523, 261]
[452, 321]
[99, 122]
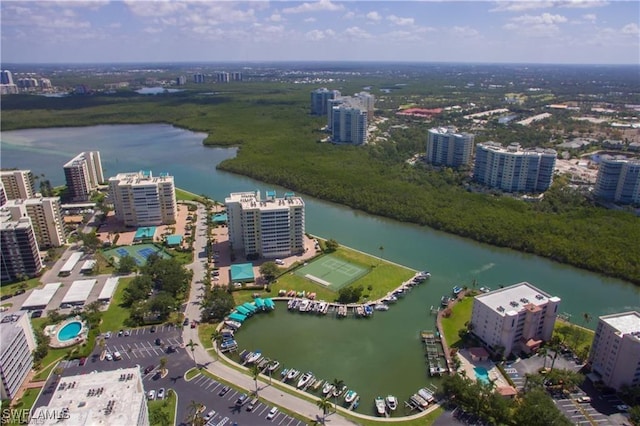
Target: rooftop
[625, 322]
[108, 397]
[41, 296]
[515, 298]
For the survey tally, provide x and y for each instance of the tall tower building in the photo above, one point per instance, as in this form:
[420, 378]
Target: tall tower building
[367, 101]
[83, 175]
[140, 199]
[3, 195]
[350, 125]
[446, 147]
[320, 100]
[19, 254]
[512, 169]
[18, 184]
[46, 219]
[269, 228]
[16, 359]
[618, 180]
[6, 77]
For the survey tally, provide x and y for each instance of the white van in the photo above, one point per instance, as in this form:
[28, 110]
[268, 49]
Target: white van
[117, 356]
[279, 262]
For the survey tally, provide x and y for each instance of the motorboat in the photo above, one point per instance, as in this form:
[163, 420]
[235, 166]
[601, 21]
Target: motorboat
[426, 394]
[399, 292]
[350, 396]
[424, 274]
[457, 290]
[233, 324]
[360, 311]
[284, 373]
[381, 307]
[390, 299]
[381, 407]
[342, 311]
[304, 305]
[305, 379]
[291, 303]
[292, 374]
[274, 366]
[337, 392]
[418, 400]
[253, 357]
[485, 289]
[327, 388]
[444, 301]
[392, 402]
[317, 384]
[368, 310]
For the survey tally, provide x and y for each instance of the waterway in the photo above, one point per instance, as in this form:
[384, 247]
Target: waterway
[376, 356]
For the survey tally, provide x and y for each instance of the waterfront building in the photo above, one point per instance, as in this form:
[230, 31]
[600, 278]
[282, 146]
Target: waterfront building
[222, 77]
[367, 102]
[16, 359]
[140, 199]
[618, 180]
[198, 78]
[181, 80]
[3, 195]
[83, 175]
[17, 183]
[236, 76]
[19, 253]
[350, 124]
[320, 100]
[114, 397]
[515, 318]
[269, 228]
[46, 219]
[513, 169]
[6, 77]
[615, 351]
[446, 147]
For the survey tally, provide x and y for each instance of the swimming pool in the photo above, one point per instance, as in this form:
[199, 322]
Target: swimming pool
[481, 374]
[70, 331]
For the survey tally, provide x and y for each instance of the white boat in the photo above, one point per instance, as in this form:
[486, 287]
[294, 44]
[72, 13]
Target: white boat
[322, 307]
[426, 394]
[304, 305]
[327, 388]
[233, 324]
[392, 402]
[381, 407]
[350, 396]
[253, 357]
[337, 392]
[304, 379]
[485, 289]
[381, 307]
[390, 299]
[274, 366]
[291, 303]
[292, 374]
[419, 401]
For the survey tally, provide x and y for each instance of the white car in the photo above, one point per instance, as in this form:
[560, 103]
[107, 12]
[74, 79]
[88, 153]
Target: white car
[272, 413]
[209, 415]
[584, 399]
[108, 356]
[160, 393]
[151, 395]
[622, 407]
[279, 262]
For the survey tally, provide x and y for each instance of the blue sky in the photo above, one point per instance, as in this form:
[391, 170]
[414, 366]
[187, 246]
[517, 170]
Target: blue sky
[571, 31]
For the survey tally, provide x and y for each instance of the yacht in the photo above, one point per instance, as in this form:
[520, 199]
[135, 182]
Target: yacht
[457, 290]
[381, 307]
[337, 392]
[253, 357]
[274, 366]
[292, 374]
[485, 289]
[304, 305]
[444, 301]
[322, 307]
[426, 394]
[368, 310]
[304, 379]
[390, 299]
[327, 388]
[381, 407]
[392, 402]
[350, 396]
[360, 311]
[419, 401]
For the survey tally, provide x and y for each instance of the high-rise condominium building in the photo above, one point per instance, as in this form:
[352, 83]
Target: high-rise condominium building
[19, 254]
[512, 169]
[222, 77]
[615, 351]
[367, 102]
[198, 78]
[269, 228]
[46, 218]
[140, 199]
[18, 183]
[114, 397]
[83, 175]
[3, 195]
[320, 100]
[349, 124]
[446, 147]
[618, 180]
[515, 318]
[6, 77]
[16, 359]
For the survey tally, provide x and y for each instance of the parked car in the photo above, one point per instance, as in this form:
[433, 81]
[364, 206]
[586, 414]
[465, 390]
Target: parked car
[171, 349]
[108, 356]
[252, 404]
[185, 322]
[279, 262]
[20, 291]
[117, 356]
[107, 335]
[158, 341]
[160, 393]
[36, 314]
[120, 333]
[209, 415]
[127, 332]
[272, 413]
[241, 400]
[584, 399]
[82, 361]
[223, 391]
[622, 407]
[151, 395]
[153, 329]
[193, 324]
[149, 369]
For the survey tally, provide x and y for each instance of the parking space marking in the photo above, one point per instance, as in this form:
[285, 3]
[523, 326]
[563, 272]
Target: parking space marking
[211, 383]
[265, 408]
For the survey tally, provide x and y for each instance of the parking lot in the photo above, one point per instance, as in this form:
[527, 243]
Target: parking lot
[142, 343]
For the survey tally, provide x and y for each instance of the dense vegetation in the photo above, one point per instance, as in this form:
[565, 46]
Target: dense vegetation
[279, 144]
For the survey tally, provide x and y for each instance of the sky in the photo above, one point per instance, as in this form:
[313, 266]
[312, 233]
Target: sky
[103, 31]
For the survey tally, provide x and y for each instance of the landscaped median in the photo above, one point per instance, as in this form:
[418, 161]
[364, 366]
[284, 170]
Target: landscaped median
[162, 412]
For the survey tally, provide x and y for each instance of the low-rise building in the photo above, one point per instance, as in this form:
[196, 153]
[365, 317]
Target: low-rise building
[615, 351]
[515, 318]
[114, 397]
[16, 359]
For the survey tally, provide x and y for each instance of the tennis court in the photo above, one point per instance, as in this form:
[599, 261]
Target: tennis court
[139, 253]
[332, 272]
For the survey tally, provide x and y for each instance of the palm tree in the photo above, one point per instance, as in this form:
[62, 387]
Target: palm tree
[192, 345]
[543, 352]
[324, 404]
[586, 317]
[337, 384]
[255, 373]
[194, 417]
[216, 336]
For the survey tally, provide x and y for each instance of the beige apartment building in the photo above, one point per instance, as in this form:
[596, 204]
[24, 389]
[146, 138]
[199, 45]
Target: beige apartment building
[17, 184]
[83, 175]
[46, 218]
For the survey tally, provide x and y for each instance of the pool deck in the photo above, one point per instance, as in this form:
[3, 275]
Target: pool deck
[468, 365]
[52, 332]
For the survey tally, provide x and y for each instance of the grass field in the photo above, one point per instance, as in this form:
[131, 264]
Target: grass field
[25, 403]
[183, 195]
[113, 318]
[162, 412]
[27, 285]
[332, 272]
[460, 314]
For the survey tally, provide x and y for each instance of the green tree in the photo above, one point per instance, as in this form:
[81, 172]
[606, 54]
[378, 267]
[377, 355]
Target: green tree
[216, 338]
[255, 373]
[90, 241]
[216, 305]
[163, 364]
[324, 405]
[162, 304]
[536, 408]
[269, 271]
[331, 245]
[194, 417]
[126, 265]
[192, 345]
[337, 384]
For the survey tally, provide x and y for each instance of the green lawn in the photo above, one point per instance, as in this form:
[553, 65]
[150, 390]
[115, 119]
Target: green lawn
[27, 285]
[26, 402]
[204, 332]
[578, 338]
[162, 412]
[182, 194]
[460, 314]
[113, 318]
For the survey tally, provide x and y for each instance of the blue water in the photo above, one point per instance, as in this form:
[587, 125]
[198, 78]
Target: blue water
[482, 374]
[70, 331]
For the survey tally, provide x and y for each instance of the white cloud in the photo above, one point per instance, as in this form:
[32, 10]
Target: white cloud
[316, 6]
[582, 4]
[155, 8]
[545, 18]
[400, 21]
[310, 19]
[357, 32]
[276, 17]
[464, 31]
[590, 17]
[631, 29]
[519, 6]
[374, 16]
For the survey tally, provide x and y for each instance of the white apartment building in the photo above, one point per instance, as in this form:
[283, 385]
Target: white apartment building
[83, 175]
[115, 397]
[19, 253]
[447, 147]
[16, 360]
[140, 199]
[615, 351]
[17, 184]
[46, 218]
[517, 318]
[269, 228]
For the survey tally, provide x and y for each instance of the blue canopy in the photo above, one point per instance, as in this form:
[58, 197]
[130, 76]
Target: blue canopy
[250, 306]
[259, 303]
[269, 304]
[237, 317]
[243, 310]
